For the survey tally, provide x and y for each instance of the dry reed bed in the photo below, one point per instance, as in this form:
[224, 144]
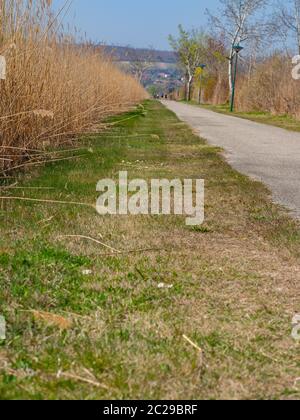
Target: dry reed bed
[54, 90]
[268, 87]
[271, 88]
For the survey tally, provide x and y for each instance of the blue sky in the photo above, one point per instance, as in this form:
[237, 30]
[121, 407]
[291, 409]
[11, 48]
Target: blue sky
[140, 23]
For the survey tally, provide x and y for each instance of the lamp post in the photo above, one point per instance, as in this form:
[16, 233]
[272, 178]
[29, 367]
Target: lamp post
[237, 49]
[201, 68]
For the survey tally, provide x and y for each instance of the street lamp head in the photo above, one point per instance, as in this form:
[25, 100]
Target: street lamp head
[238, 48]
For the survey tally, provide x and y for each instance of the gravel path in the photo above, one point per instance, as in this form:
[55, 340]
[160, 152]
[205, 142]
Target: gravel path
[265, 153]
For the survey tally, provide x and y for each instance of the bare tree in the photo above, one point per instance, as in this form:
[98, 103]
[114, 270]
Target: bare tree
[287, 20]
[140, 62]
[191, 52]
[238, 22]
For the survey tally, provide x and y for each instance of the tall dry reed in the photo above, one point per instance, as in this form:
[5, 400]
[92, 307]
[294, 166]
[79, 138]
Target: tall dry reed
[270, 88]
[54, 89]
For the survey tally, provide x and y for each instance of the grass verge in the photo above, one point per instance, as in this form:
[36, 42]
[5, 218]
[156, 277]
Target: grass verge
[281, 121]
[83, 324]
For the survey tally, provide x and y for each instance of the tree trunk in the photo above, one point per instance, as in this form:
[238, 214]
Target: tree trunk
[297, 17]
[230, 73]
[188, 90]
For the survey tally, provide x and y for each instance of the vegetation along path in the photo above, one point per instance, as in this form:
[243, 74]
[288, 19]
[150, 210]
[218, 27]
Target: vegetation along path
[168, 311]
[269, 154]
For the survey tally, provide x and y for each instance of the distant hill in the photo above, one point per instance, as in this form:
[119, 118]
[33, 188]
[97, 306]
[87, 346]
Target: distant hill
[128, 54]
[163, 75]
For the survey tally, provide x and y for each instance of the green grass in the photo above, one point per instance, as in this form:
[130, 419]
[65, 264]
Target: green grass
[112, 332]
[283, 121]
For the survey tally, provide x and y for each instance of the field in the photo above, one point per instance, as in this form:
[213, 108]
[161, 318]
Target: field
[149, 308]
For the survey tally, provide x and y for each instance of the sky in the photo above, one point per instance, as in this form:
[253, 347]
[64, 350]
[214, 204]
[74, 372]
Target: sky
[138, 23]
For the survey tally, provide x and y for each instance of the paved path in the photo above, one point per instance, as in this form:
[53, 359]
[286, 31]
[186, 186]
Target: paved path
[263, 152]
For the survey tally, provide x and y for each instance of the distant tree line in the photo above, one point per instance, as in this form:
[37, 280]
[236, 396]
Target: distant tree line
[264, 28]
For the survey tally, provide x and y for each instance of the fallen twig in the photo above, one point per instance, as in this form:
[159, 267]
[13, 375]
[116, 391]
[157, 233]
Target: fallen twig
[41, 162]
[13, 187]
[81, 379]
[35, 200]
[116, 251]
[125, 119]
[297, 380]
[91, 239]
[192, 344]
[24, 149]
[81, 149]
[45, 220]
[6, 187]
[195, 347]
[136, 251]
